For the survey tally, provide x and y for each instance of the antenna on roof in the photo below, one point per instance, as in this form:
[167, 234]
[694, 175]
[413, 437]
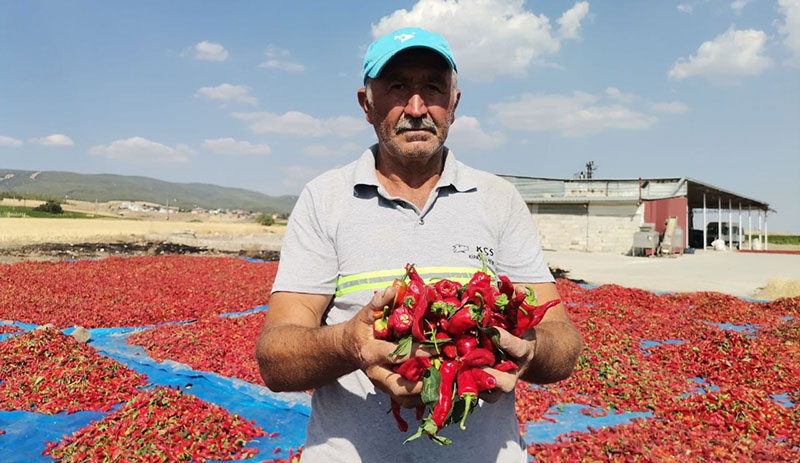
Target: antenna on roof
[586, 174]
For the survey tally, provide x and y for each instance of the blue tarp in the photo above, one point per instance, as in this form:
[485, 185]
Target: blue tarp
[27, 432]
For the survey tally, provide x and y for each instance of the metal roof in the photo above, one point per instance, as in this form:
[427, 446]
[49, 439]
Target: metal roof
[535, 190]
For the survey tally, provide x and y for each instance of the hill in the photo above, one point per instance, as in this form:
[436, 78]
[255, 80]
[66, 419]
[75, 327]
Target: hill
[109, 187]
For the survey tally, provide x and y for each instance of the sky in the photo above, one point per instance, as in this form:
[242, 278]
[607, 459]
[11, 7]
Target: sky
[262, 95]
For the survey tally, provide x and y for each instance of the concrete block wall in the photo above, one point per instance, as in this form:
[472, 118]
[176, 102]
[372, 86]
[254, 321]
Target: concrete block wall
[608, 228]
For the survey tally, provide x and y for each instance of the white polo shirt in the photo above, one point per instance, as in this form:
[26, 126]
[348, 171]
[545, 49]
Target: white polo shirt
[348, 237]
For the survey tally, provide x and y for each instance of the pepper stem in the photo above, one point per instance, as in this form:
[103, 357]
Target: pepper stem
[468, 401]
[484, 267]
[408, 270]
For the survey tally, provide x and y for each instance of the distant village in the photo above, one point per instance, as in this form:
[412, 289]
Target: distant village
[147, 207]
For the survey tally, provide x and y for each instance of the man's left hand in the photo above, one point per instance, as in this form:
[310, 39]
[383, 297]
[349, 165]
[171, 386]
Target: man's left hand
[521, 352]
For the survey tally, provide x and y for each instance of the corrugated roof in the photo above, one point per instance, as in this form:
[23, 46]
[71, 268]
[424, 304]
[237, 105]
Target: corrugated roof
[537, 190]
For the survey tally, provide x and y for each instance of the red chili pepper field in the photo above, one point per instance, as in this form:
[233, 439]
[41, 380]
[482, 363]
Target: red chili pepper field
[168, 374]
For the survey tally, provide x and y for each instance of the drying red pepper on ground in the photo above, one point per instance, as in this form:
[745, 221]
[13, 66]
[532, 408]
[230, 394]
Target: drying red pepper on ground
[458, 323]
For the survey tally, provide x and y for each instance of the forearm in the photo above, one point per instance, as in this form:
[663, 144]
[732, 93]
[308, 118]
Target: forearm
[298, 358]
[557, 347]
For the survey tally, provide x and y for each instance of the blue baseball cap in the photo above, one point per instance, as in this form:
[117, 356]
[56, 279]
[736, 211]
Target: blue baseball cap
[382, 50]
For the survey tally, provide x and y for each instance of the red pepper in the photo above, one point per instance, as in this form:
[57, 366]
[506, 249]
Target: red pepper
[466, 344]
[483, 380]
[420, 411]
[529, 316]
[380, 329]
[460, 322]
[402, 425]
[506, 287]
[467, 391]
[400, 285]
[478, 358]
[507, 365]
[486, 341]
[413, 368]
[480, 279]
[443, 406]
[414, 276]
[426, 296]
[447, 288]
[400, 321]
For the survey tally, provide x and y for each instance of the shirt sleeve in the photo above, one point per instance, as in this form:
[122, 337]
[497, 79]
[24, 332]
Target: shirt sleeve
[308, 262]
[520, 254]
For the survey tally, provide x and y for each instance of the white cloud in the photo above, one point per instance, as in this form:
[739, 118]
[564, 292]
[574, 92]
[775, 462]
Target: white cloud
[573, 115]
[287, 66]
[294, 177]
[138, 149]
[230, 146]
[322, 151]
[674, 107]
[791, 28]
[738, 5]
[8, 141]
[570, 22]
[210, 51]
[273, 53]
[299, 124]
[489, 38]
[616, 94]
[685, 8]
[56, 139]
[728, 57]
[466, 133]
[227, 92]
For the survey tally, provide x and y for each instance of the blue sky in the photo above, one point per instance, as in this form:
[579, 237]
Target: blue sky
[261, 95]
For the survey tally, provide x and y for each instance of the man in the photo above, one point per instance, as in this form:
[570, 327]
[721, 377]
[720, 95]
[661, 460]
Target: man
[351, 233]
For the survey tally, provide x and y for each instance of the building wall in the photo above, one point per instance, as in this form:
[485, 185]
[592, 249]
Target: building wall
[603, 227]
[658, 211]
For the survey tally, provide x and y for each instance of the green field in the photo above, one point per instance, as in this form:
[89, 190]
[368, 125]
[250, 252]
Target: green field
[14, 211]
[780, 239]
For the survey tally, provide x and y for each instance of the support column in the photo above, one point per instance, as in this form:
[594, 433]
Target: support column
[705, 231]
[766, 232]
[688, 226]
[741, 232]
[719, 217]
[761, 244]
[750, 227]
[730, 225]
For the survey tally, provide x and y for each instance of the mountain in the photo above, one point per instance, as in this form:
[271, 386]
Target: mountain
[109, 187]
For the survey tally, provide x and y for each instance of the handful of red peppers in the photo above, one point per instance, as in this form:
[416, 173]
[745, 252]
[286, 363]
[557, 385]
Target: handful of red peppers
[460, 323]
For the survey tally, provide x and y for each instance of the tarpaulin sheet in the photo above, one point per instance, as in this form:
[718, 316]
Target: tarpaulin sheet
[27, 432]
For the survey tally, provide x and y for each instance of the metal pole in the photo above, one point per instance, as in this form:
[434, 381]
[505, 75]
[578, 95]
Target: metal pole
[688, 225]
[705, 230]
[741, 236]
[750, 227]
[760, 243]
[766, 232]
[730, 224]
[719, 217]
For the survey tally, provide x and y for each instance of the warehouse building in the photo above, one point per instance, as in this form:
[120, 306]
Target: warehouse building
[604, 214]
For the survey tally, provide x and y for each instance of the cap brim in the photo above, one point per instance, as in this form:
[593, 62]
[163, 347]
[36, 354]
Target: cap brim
[375, 71]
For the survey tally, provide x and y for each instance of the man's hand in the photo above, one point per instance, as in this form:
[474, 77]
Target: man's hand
[373, 354]
[544, 354]
[522, 352]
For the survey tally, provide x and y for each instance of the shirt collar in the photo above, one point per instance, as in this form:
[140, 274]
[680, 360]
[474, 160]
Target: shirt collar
[454, 173]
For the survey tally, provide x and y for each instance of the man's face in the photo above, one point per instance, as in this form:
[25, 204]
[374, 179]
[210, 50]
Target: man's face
[413, 104]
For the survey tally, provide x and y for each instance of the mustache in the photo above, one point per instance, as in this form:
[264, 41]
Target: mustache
[416, 123]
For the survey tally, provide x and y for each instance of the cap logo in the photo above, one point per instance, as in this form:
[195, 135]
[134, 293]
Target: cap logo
[403, 37]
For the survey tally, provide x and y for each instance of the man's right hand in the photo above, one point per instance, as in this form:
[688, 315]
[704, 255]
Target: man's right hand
[372, 355]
